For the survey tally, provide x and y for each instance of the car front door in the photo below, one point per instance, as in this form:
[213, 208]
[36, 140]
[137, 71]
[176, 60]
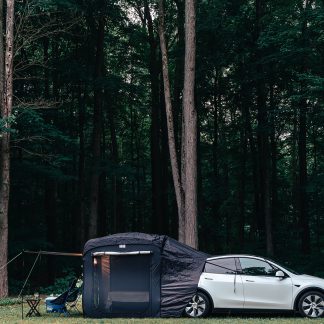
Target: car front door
[262, 289]
[221, 281]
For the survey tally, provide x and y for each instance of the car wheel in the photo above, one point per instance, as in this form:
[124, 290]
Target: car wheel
[198, 306]
[311, 304]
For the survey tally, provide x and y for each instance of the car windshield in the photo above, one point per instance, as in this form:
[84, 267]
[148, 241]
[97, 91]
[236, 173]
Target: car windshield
[285, 267]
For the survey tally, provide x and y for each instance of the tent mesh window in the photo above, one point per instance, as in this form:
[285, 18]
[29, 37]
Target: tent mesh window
[118, 290]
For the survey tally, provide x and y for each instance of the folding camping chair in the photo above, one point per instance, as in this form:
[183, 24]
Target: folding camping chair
[58, 304]
[73, 298]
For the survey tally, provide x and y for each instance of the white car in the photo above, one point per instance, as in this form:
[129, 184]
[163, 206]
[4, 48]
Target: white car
[246, 282]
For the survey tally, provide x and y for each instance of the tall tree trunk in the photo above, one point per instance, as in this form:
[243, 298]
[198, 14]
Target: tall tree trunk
[263, 138]
[1, 55]
[246, 103]
[186, 183]
[242, 185]
[224, 179]
[302, 194]
[164, 165]
[155, 125]
[97, 130]
[170, 126]
[274, 157]
[190, 126]
[6, 111]
[135, 219]
[178, 73]
[217, 97]
[51, 224]
[178, 105]
[81, 167]
[216, 100]
[119, 223]
[302, 148]
[294, 169]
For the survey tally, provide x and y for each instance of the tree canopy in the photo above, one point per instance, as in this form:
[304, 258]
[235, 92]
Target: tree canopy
[89, 134]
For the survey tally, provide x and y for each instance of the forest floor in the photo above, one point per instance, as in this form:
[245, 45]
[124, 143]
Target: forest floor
[12, 314]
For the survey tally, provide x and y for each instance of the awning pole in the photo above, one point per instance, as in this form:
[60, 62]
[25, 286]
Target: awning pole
[54, 253]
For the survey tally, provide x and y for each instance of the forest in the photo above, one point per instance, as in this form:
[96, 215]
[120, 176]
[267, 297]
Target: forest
[120, 118]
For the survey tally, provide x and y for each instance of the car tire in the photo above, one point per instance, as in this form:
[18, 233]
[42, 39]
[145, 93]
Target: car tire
[199, 306]
[311, 304]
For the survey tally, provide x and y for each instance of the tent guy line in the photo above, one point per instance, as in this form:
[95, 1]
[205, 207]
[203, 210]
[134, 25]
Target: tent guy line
[14, 258]
[30, 272]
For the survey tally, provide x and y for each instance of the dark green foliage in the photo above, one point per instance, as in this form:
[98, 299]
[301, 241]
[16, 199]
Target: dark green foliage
[61, 284]
[53, 125]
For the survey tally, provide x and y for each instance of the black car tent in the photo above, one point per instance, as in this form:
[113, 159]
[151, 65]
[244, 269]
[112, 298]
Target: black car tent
[139, 275]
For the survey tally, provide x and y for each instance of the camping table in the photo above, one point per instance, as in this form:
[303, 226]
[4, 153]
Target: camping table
[33, 303]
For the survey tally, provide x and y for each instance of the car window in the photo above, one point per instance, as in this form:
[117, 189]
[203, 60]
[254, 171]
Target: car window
[285, 267]
[221, 266]
[255, 267]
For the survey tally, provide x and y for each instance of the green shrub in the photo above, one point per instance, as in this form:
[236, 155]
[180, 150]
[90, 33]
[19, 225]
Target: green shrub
[60, 284]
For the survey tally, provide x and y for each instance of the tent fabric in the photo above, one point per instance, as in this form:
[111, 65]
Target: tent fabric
[154, 284]
[181, 270]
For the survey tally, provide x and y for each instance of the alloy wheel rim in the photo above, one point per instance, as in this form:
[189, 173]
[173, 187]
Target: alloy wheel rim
[196, 306]
[313, 306]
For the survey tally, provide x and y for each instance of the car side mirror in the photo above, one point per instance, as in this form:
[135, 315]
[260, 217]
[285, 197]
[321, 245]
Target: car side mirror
[280, 274]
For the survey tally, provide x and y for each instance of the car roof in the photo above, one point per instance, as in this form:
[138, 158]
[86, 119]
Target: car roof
[236, 256]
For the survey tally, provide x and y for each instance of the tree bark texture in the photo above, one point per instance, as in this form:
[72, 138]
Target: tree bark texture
[117, 189]
[97, 130]
[302, 193]
[302, 150]
[157, 211]
[167, 220]
[274, 158]
[190, 126]
[242, 187]
[185, 184]
[178, 73]
[81, 167]
[246, 114]
[1, 54]
[6, 111]
[263, 138]
[170, 126]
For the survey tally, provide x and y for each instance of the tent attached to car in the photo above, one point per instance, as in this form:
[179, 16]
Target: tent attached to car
[139, 275]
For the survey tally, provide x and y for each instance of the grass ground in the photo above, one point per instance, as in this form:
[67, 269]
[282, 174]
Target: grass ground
[12, 314]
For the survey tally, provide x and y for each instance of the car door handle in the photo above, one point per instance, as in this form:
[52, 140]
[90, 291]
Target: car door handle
[209, 278]
[249, 280]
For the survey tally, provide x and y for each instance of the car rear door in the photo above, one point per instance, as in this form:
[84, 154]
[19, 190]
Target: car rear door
[262, 289]
[221, 281]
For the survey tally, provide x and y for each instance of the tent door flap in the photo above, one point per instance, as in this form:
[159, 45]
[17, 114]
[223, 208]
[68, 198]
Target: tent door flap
[124, 282]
